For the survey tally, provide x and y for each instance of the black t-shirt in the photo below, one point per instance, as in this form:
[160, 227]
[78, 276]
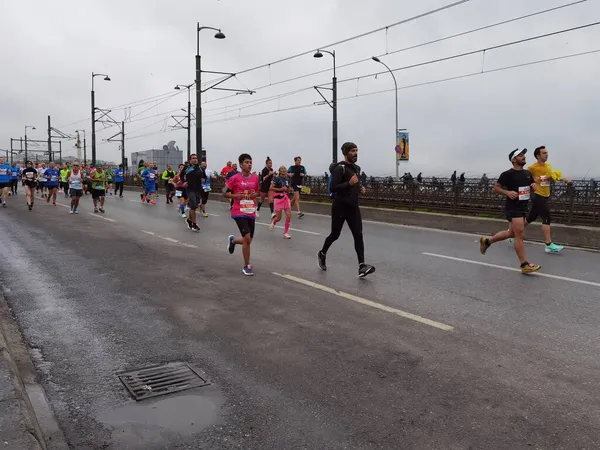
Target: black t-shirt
[340, 186]
[266, 177]
[519, 181]
[29, 175]
[295, 172]
[193, 177]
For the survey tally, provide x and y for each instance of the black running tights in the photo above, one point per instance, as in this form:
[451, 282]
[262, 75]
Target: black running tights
[341, 213]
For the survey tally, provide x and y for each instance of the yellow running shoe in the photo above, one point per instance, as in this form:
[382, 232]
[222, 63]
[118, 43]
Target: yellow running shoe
[530, 268]
[483, 245]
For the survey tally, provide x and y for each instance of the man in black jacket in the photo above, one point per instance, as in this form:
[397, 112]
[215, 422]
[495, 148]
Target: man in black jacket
[345, 187]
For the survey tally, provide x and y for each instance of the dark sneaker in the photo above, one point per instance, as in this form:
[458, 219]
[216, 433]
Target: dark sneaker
[195, 227]
[102, 210]
[190, 224]
[247, 270]
[230, 244]
[483, 245]
[300, 215]
[96, 210]
[365, 269]
[321, 260]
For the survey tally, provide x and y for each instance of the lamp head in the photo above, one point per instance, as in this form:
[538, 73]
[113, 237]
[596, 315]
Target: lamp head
[33, 128]
[376, 59]
[219, 35]
[318, 54]
[106, 78]
[177, 88]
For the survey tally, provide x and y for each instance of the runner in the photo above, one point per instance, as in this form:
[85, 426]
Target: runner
[98, 180]
[5, 180]
[75, 180]
[167, 176]
[192, 178]
[345, 187]
[180, 190]
[281, 186]
[52, 179]
[206, 186]
[16, 172]
[29, 176]
[243, 189]
[64, 184]
[234, 170]
[543, 175]
[149, 176]
[297, 172]
[141, 167]
[41, 186]
[109, 179]
[119, 179]
[266, 178]
[516, 184]
[225, 170]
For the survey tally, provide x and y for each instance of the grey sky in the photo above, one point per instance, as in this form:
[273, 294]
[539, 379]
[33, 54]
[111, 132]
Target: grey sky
[50, 49]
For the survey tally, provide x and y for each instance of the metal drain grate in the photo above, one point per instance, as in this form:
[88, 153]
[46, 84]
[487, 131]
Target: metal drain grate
[161, 380]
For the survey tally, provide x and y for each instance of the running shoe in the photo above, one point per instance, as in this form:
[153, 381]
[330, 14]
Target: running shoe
[30, 207]
[230, 244]
[365, 269]
[300, 215]
[76, 211]
[286, 236]
[530, 268]
[96, 210]
[4, 205]
[322, 260]
[102, 210]
[271, 226]
[195, 227]
[190, 224]
[483, 244]
[48, 200]
[53, 203]
[183, 215]
[553, 248]
[257, 214]
[71, 211]
[153, 202]
[512, 241]
[273, 215]
[247, 270]
[204, 214]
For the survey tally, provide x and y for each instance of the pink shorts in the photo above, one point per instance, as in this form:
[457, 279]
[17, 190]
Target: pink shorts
[281, 204]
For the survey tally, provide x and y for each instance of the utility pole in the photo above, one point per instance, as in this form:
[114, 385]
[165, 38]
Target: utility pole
[123, 145]
[49, 141]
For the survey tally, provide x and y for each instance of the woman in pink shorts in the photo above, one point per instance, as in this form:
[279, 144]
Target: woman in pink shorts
[280, 187]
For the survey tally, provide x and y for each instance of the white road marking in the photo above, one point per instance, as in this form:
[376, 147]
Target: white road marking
[102, 217]
[366, 302]
[292, 229]
[169, 239]
[513, 269]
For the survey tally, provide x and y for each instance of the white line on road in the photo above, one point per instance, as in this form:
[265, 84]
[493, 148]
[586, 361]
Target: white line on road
[293, 229]
[513, 269]
[364, 301]
[101, 217]
[169, 239]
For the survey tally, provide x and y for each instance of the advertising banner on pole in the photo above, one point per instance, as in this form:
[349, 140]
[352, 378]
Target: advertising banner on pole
[402, 146]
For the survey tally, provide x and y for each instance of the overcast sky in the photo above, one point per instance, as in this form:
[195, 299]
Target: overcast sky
[49, 50]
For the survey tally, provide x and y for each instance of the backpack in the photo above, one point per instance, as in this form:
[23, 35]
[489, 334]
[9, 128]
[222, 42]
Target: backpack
[332, 167]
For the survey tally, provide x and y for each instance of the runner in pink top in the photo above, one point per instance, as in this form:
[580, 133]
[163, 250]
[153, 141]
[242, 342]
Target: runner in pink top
[243, 188]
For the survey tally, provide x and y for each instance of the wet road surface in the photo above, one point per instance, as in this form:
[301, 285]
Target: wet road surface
[434, 350]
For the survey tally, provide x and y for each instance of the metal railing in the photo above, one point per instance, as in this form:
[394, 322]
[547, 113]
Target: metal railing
[575, 204]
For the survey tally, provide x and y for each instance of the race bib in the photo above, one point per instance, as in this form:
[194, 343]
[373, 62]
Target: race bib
[52, 178]
[544, 181]
[524, 192]
[178, 193]
[29, 175]
[76, 184]
[247, 206]
[3, 172]
[151, 176]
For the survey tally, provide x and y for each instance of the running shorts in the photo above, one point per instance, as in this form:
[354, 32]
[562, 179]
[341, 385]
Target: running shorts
[52, 187]
[75, 192]
[245, 225]
[297, 187]
[5, 185]
[194, 199]
[204, 197]
[97, 193]
[282, 204]
[515, 214]
[149, 189]
[539, 208]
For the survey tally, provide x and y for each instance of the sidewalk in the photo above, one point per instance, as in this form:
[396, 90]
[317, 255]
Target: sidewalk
[17, 430]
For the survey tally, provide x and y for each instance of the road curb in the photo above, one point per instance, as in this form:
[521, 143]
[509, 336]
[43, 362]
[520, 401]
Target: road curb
[41, 423]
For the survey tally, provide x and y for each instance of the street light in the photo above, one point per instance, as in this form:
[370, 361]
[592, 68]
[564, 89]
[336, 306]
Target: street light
[189, 116]
[376, 59]
[33, 128]
[84, 147]
[218, 35]
[333, 104]
[106, 78]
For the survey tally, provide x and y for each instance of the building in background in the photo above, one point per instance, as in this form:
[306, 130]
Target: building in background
[169, 154]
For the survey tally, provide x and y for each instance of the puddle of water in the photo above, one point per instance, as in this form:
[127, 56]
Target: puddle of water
[138, 424]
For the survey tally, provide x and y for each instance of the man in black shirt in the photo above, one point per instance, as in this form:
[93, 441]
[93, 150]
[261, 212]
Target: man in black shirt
[192, 177]
[345, 186]
[516, 184]
[297, 172]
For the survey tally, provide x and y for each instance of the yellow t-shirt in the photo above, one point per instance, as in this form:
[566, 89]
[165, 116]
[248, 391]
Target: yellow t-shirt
[545, 174]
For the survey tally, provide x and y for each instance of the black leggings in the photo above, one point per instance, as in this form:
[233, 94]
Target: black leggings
[119, 188]
[341, 213]
[13, 186]
[204, 196]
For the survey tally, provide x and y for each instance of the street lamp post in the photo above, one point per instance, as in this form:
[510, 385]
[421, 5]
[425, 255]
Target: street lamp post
[33, 128]
[106, 78]
[376, 59]
[218, 35]
[189, 117]
[333, 105]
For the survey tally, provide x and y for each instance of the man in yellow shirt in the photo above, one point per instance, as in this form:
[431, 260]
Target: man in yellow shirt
[543, 175]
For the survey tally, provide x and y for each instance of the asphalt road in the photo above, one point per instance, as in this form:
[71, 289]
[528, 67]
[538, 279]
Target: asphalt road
[428, 352]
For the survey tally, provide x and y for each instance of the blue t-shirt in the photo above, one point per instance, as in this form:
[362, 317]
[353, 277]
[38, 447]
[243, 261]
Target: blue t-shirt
[52, 177]
[280, 182]
[119, 175]
[149, 176]
[15, 173]
[5, 173]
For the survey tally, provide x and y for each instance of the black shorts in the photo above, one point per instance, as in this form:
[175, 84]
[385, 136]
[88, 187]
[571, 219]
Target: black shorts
[264, 188]
[297, 187]
[245, 225]
[539, 208]
[515, 214]
[30, 184]
[41, 184]
[76, 192]
[97, 193]
[52, 187]
[183, 193]
[194, 199]
[204, 197]
[5, 185]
